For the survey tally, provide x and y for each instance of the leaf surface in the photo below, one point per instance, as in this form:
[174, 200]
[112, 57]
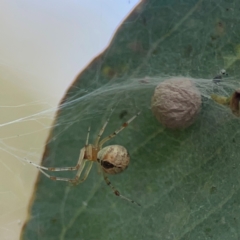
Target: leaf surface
[186, 181]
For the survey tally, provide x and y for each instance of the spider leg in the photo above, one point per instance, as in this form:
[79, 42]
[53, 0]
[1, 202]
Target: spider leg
[76, 180]
[80, 166]
[101, 131]
[116, 192]
[118, 130]
[52, 169]
[60, 169]
[71, 180]
[88, 169]
[89, 128]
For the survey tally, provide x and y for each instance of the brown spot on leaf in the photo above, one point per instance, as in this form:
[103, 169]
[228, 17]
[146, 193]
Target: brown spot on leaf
[123, 114]
[234, 103]
[136, 46]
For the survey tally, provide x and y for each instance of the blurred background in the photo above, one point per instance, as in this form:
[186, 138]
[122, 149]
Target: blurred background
[44, 44]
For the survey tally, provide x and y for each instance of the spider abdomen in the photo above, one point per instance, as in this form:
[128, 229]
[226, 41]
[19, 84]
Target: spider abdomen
[113, 159]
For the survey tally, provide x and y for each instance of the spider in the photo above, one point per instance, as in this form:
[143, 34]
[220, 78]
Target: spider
[217, 79]
[112, 159]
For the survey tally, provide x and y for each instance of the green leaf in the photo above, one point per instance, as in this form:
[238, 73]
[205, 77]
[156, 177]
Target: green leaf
[188, 181]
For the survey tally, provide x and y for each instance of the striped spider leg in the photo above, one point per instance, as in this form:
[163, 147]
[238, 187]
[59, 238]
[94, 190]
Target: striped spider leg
[112, 159]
